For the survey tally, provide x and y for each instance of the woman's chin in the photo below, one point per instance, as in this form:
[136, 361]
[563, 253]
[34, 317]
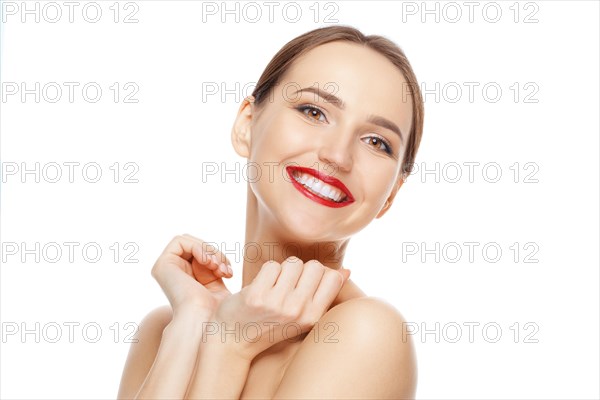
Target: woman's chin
[307, 227]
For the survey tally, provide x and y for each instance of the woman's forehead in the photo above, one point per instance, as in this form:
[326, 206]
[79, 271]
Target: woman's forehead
[359, 76]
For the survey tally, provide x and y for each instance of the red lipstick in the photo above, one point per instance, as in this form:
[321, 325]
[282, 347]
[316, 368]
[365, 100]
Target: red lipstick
[330, 180]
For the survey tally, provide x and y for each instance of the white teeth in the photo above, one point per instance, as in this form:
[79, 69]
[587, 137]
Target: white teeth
[318, 186]
[337, 197]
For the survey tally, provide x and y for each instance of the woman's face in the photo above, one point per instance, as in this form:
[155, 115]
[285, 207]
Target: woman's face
[350, 120]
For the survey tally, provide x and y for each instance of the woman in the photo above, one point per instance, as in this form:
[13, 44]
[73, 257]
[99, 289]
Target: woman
[334, 122]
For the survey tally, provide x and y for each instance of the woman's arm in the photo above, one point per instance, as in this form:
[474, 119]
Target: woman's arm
[221, 371]
[160, 364]
[171, 372]
[277, 296]
[142, 351]
[290, 292]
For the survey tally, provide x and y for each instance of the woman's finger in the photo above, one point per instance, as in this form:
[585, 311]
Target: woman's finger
[210, 250]
[187, 248]
[267, 276]
[309, 281]
[210, 270]
[328, 289]
[180, 246]
[291, 269]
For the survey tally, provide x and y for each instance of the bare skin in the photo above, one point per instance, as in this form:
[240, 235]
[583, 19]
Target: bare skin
[366, 355]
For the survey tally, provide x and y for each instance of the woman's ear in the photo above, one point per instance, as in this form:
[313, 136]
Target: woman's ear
[390, 200]
[241, 133]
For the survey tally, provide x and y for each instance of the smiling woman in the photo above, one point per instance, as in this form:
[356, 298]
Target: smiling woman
[338, 117]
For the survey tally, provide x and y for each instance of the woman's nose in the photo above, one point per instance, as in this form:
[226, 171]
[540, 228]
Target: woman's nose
[336, 153]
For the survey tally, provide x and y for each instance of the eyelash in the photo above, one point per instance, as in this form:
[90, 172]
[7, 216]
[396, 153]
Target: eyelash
[303, 108]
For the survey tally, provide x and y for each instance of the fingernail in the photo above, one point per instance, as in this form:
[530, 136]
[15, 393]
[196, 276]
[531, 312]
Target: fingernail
[223, 268]
[230, 269]
[214, 259]
[345, 274]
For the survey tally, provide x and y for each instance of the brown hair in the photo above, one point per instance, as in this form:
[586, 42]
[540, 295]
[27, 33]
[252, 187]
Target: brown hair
[308, 41]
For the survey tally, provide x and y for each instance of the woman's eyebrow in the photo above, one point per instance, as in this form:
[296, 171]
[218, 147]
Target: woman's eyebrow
[339, 103]
[386, 123]
[329, 98]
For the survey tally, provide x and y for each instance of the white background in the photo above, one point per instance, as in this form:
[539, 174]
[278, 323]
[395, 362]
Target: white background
[172, 132]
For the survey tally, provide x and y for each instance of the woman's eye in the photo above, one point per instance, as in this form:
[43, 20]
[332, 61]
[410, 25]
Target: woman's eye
[379, 144]
[313, 113]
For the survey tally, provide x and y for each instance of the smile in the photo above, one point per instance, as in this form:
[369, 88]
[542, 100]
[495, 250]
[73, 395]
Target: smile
[321, 188]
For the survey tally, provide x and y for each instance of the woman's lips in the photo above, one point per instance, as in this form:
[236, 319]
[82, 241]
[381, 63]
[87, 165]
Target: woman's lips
[318, 189]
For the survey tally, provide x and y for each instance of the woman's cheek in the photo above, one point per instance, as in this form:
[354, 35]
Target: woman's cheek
[381, 184]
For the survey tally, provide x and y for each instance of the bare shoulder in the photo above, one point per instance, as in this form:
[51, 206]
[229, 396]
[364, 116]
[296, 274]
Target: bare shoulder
[160, 316]
[143, 350]
[373, 325]
[358, 349]
[374, 308]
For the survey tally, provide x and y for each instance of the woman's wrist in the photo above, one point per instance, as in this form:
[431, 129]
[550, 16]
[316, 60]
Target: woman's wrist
[190, 318]
[194, 308]
[214, 335]
[201, 325]
[227, 342]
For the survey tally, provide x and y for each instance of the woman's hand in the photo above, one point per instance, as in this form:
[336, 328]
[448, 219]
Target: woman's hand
[283, 301]
[189, 273]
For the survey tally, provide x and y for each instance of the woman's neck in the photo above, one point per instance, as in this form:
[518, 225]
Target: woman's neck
[264, 242]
